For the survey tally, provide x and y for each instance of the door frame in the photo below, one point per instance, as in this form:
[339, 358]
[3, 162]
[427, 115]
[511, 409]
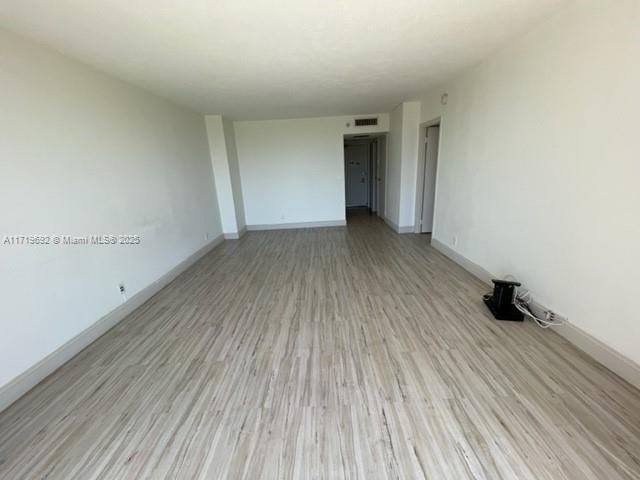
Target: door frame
[366, 166]
[381, 166]
[383, 155]
[373, 176]
[420, 174]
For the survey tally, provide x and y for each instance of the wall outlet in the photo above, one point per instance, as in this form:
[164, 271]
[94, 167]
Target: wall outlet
[206, 236]
[555, 317]
[549, 315]
[455, 240]
[123, 291]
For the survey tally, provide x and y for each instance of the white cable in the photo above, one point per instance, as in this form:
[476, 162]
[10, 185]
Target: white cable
[522, 301]
[542, 322]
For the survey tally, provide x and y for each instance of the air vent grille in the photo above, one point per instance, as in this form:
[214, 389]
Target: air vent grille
[362, 122]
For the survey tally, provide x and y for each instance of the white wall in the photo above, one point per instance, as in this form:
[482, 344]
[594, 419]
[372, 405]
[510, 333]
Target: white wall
[403, 165]
[224, 161]
[410, 133]
[234, 172]
[394, 166]
[292, 171]
[81, 153]
[539, 168]
[222, 174]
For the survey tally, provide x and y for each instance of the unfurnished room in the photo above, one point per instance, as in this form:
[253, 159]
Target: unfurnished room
[323, 240]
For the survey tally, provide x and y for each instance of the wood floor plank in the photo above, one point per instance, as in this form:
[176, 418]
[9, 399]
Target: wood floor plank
[331, 353]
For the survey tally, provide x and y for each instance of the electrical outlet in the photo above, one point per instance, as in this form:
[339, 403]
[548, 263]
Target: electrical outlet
[123, 291]
[455, 240]
[549, 316]
[206, 236]
[555, 317]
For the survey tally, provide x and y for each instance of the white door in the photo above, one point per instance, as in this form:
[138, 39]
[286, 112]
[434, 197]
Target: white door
[356, 174]
[429, 188]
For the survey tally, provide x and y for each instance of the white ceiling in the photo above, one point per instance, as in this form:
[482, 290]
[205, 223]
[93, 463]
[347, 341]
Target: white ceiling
[277, 58]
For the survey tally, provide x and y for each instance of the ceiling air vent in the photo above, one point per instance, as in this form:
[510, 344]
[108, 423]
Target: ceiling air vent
[363, 122]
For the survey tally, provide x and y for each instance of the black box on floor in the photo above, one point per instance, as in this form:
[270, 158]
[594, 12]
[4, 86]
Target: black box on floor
[500, 302]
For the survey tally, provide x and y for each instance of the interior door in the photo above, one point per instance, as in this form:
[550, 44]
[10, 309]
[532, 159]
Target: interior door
[356, 169]
[429, 186]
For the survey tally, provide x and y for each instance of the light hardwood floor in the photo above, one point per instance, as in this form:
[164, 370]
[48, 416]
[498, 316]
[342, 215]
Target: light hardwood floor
[325, 353]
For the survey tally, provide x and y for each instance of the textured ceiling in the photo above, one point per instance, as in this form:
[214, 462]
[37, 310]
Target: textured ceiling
[281, 58]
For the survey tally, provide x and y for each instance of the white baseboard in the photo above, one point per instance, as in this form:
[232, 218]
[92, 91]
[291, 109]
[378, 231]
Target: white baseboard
[391, 224]
[602, 353]
[284, 226]
[24, 382]
[396, 228]
[596, 349]
[235, 235]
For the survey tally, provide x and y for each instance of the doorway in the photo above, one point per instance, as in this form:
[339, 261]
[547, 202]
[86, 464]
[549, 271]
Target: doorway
[364, 174]
[356, 174]
[427, 179]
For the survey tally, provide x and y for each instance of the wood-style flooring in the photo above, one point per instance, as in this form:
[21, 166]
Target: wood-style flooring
[333, 353]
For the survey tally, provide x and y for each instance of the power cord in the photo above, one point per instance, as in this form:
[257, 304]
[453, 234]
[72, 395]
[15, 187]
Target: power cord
[522, 301]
